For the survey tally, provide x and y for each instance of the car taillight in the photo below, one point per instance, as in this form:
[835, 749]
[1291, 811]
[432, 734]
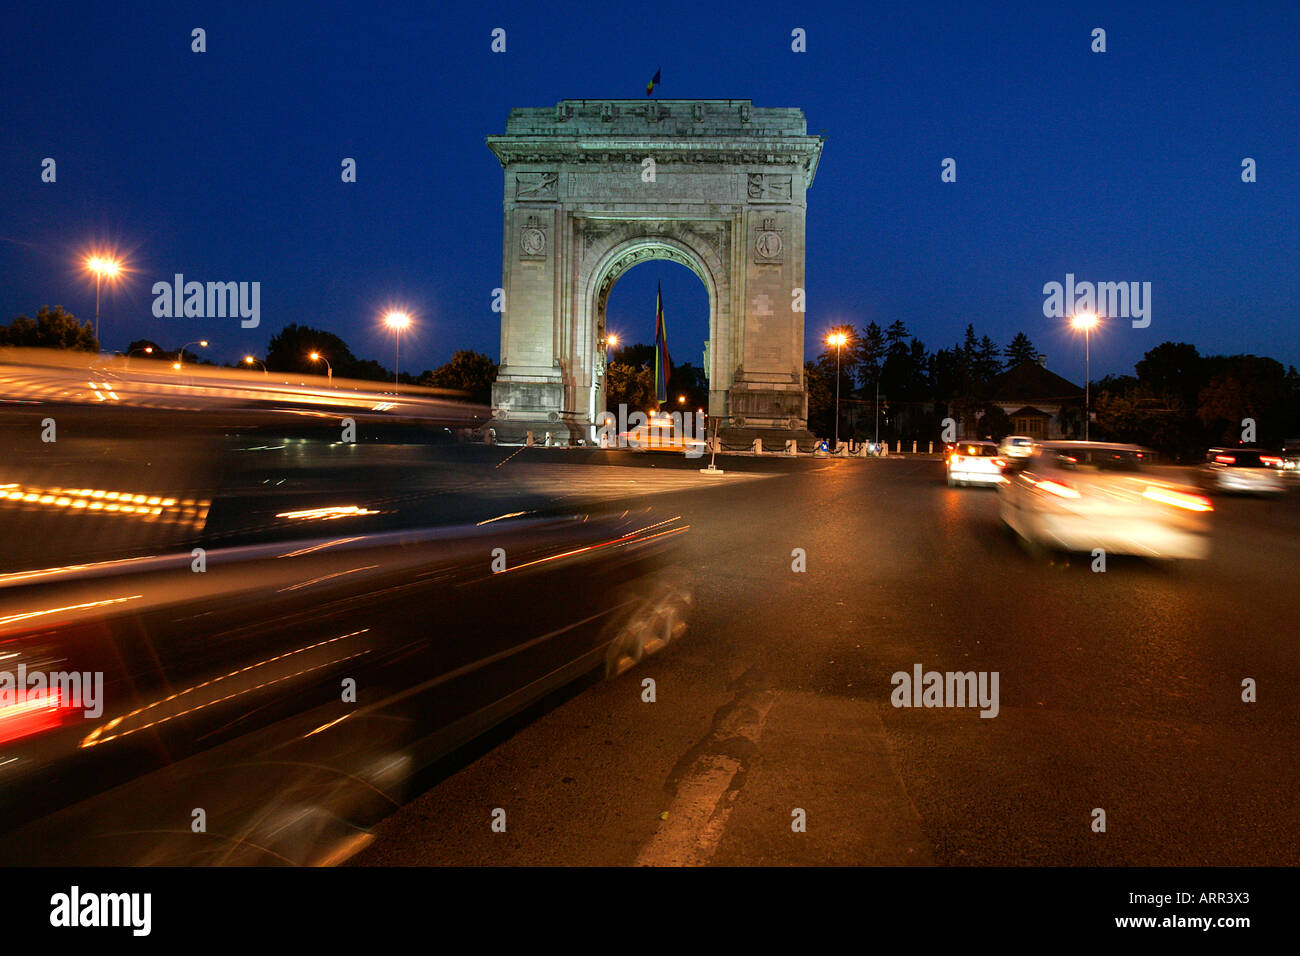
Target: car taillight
[37, 690]
[1271, 462]
[999, 462]
[1178, 499]
[33, 712]
[1058, 489]
[1226, 459]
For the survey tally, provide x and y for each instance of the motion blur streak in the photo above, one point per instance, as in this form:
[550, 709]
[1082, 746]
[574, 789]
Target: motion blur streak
[221, 690]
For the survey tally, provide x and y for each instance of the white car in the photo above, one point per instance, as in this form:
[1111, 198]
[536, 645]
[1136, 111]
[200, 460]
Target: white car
[1016, 446]
[974, 463]
[1080, 496]
[1244, 470]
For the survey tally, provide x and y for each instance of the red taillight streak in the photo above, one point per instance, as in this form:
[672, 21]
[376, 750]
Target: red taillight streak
[38, 712]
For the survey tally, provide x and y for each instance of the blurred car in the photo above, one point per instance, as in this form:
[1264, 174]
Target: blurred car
[662, 433]
[1016, 446]
[1243, 471]
[206, 607]
[1291, 459]
[1079, 496]
[974, 463]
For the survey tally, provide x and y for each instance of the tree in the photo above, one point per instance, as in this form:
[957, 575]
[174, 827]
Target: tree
[688, 380]
[988, 363]
[1021, 351]
[994, 423]
[1249, 387]
[291, 348]
[631, 386]
[290, 351]
[638, 355]
[870, 349]
[53, 329]
[1174, 367]
[821, 398]
[470, 372]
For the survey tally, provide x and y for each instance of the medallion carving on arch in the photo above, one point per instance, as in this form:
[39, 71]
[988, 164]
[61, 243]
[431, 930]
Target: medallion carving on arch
[769, 242]
[532, 240]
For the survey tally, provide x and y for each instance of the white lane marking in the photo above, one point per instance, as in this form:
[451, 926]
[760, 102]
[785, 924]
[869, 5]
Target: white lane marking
[698, 814]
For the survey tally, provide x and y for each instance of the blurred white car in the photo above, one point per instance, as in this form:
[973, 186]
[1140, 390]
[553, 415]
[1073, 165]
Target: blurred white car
[1244, 470]
[974, 463]
[1291, 458]
[1079, 496]
[1016, 446]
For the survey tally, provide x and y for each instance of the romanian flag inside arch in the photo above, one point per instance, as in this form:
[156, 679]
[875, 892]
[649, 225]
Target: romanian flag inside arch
[663, 364]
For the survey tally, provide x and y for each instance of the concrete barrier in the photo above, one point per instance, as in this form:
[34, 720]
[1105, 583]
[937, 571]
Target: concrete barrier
[758, 446]
[791, 447]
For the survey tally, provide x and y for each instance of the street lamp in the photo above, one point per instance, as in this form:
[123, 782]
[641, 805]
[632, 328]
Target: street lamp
[147, 350]
[397, 321]
[837, 339]
[180, 356]
[1086, 321]
[102, 266]
[249, 360]
[317, 357]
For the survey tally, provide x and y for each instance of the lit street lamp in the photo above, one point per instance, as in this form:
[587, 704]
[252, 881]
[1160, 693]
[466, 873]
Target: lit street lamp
[249, 360]
[397, 321]
[147, 350]
[102, 266]
[180, 356]
[1086, 321]
[317, 357]
[837, 339]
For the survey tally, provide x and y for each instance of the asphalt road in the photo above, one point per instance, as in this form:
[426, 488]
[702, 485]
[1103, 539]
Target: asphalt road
[1119, 691]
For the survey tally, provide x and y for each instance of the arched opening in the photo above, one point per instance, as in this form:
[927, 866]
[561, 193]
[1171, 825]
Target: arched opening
[629, 322]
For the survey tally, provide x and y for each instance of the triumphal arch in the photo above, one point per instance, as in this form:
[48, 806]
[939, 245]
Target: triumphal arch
[594, 187]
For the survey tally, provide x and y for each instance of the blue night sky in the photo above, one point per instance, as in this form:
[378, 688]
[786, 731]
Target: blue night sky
[1122, 166]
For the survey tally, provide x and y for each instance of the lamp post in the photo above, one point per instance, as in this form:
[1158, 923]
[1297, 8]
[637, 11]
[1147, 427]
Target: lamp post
[101, 267]
[249, 360]
[877, 410]
[317, 357]
[397, 321]
[1086, 321]
[147, 350]
[180, 356]
[837, 339]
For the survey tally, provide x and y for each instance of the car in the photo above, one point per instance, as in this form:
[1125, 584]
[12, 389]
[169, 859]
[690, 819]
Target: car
[1243, 471]
[1291, 458]
[974, 463]
[1081, 496]
[238, 618]
[1016, 446]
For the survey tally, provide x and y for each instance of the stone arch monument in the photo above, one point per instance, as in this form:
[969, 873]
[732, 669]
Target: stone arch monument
[594, 187]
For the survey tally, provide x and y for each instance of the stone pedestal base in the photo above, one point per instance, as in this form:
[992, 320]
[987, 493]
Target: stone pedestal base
[778, 406]
[522, 407]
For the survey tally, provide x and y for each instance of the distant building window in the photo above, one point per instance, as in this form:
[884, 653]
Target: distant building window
[1033, 427]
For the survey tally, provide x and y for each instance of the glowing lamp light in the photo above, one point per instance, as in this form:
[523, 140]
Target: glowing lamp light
[397, 320]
